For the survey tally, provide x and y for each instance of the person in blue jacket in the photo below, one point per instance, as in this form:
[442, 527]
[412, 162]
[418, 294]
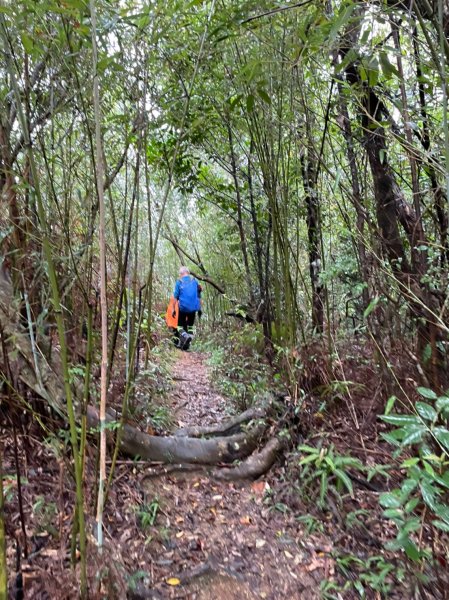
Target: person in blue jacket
[188, 294]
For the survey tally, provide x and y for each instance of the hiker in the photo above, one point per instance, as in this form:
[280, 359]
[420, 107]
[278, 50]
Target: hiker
[188, 294]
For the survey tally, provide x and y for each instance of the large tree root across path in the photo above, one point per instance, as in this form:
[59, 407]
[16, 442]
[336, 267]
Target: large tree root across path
[227, 541]
[219, 439]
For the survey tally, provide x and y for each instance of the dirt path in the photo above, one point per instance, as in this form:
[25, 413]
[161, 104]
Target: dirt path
[194, 400]
[225, 541]
[177, 535]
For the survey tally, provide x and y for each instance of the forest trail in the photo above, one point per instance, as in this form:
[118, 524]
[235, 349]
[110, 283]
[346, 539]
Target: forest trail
[195, 401]
[225, 541]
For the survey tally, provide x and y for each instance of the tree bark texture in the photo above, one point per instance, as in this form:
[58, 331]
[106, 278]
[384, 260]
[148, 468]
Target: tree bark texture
[393, 212]
[314, 252]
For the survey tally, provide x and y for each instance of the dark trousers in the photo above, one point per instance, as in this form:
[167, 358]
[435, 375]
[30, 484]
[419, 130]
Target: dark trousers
[186, 320]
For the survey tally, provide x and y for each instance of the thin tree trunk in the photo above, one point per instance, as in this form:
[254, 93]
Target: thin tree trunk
[123, 270]
[314, 251]
[356, 195]
[257, 245]
[408, 131]
[3, 571]
[440, 197]
[103, 280]
[243, 245]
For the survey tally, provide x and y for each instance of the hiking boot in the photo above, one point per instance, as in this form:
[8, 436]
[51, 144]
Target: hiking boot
[184, 340]
[188, 342]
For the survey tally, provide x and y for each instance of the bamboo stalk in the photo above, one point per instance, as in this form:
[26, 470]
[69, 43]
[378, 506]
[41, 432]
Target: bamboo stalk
[128, 388]
[30, 331]
[123, 269]
[87, 378]
[55, 294]
[103, 281]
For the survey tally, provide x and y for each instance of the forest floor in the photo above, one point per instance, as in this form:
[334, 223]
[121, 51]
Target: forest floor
[177, 533]
[225, 541]
[167, 534]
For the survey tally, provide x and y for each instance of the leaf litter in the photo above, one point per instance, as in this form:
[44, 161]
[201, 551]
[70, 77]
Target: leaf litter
[179, 535]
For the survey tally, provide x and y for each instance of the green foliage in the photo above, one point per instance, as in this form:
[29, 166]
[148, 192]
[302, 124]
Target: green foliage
[238, 369]
[10, 486]
[343, 275]
[58, 442]
[77, 373]
[147, 513]
[312, 524]
[352, 518]
[135, 578]
[422, 497]
[326, 472]
[110, 426]
[44, 515]
[364, 576]
[151, 389]
[159, 417]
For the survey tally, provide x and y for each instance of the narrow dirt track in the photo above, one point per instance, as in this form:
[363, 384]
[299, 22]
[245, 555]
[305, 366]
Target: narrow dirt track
[225, 541]
[195, 402]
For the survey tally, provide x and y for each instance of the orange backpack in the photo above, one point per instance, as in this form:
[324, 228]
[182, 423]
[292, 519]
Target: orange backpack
[172, 321]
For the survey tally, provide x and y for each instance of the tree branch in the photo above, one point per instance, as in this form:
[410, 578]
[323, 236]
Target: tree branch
[275, 11]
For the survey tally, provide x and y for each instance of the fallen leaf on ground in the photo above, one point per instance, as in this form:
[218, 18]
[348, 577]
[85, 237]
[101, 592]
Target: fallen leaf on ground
[315, 564]
[258, 487]
[173, 581]
[50, 553]
[245, 520]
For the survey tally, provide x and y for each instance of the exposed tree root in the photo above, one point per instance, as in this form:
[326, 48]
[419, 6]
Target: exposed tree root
[228, 427]
[189, 450]
[172, 449]
[251, 468]
[255, 465]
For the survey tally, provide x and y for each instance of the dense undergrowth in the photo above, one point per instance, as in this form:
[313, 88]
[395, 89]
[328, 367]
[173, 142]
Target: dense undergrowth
[236, 361]
[376, 484]
[152, 387]
[370, 488]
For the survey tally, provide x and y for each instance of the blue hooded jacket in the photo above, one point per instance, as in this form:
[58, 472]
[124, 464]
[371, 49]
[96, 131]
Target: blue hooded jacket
[187, 292]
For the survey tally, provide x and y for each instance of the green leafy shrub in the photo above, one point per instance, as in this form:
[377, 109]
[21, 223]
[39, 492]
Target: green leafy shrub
[423, 496]
[147, 513]
[370, 574]
[236, 363]
[45, 513]
[325, 471]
